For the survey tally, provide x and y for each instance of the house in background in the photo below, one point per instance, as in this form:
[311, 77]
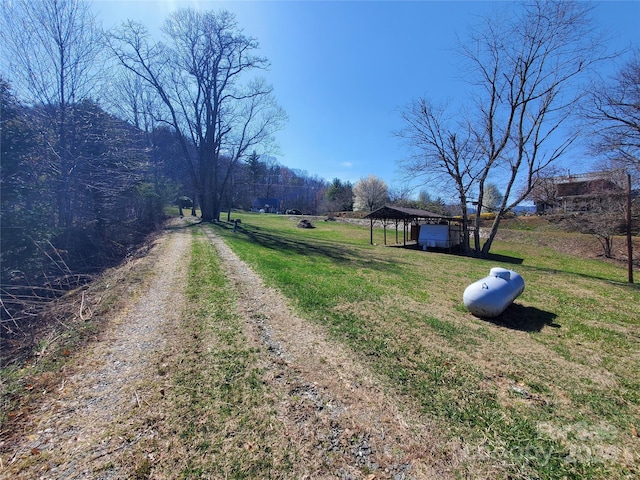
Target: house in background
[580, 193]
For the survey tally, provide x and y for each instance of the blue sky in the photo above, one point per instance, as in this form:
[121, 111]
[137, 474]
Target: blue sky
[343, 70]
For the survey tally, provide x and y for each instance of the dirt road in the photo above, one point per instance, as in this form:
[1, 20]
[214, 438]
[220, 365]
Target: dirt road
[340, 418]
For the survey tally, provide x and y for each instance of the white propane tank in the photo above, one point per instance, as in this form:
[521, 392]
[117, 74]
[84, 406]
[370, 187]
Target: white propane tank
[491, 296]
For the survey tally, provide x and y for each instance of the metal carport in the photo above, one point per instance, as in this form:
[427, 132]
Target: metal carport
[408, 216]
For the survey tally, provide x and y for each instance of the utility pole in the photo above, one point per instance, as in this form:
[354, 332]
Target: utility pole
[629, 239]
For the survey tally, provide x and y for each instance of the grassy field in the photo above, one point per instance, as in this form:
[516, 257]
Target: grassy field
[551, 389]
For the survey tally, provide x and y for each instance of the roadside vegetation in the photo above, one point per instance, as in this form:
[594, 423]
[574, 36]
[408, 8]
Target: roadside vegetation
[31, 366]
[547, 390]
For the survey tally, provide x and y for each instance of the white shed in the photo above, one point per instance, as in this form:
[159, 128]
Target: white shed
[439, 236]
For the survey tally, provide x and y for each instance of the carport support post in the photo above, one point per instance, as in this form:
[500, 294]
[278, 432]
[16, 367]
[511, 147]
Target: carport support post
[404, 232]
[371, 232]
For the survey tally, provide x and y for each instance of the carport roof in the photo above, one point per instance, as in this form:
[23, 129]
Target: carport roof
[389, 212]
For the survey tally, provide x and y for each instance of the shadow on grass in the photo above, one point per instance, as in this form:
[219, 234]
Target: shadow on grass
[345, 255]
[507, 259]
[526, 319]
[632, 287]
[493, 257]
[286, 244]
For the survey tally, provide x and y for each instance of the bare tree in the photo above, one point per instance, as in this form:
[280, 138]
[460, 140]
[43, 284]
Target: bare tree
[370, 193]
[613, 112]
[442, 155]
[197, 76]
[133, 100]
[525, 70]
[594, 203]
[54, 49]
[530, 73]
[605, 216]
[54, 58]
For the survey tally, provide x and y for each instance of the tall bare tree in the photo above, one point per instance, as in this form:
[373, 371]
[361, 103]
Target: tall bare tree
[445, 154]
[53, 51]
[613, 110]
[133, 100]
[525, 70]
[197, 75]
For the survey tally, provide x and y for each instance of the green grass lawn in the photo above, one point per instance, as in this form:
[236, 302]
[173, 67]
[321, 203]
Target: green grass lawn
[551, 389]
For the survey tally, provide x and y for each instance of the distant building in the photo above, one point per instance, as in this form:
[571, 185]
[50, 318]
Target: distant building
[580, 193]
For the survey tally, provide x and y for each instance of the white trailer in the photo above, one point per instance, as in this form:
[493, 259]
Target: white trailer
[439, 236]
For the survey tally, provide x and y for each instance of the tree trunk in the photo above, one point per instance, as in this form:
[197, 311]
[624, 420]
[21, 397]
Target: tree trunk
[208, 203]
[466, 247]
[492, 235]
[193, 204]
[208, 209]
[607, 245]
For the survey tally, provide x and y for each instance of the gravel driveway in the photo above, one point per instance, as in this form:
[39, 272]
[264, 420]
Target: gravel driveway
[327, 395]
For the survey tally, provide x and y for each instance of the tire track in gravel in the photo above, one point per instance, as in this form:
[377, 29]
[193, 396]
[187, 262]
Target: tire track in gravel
[343, 423]
[332, 406]
[79, 429]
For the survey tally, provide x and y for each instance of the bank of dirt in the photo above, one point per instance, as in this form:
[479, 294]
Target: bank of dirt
[108, 413]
